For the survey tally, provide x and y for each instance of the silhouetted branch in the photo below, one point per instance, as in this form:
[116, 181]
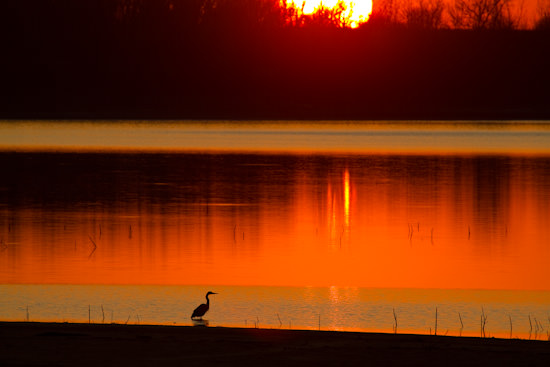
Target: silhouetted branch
[542, 22]
[483, 14]
[425, 14]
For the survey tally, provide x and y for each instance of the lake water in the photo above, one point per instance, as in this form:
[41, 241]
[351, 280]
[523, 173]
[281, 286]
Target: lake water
[337, 226]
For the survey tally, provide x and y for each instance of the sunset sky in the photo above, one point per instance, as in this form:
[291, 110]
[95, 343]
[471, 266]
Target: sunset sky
[237, 145]
[361, 8]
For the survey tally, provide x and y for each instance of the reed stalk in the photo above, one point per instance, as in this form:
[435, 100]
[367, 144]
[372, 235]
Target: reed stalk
[530, 326]
[395, 320]
[461, 324]
[483, 323]
[95, 246]
[435, 330]
[540, 326]
[411, 231]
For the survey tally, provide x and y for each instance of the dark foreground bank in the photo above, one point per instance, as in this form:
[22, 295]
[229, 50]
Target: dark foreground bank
[45, 344]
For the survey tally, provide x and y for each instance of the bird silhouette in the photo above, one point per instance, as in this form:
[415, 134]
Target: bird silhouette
[202, 309]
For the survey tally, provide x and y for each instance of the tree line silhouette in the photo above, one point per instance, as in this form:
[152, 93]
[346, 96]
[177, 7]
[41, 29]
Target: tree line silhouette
[257, 59]
[458, 14]
[461, 14]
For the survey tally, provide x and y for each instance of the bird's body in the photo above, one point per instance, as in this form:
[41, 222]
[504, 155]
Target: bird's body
[202, 309]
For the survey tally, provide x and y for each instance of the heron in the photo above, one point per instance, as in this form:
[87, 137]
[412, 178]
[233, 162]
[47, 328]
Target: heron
[202, 309]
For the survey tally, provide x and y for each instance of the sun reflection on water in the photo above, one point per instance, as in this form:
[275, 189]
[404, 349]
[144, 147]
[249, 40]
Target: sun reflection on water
[346, 200]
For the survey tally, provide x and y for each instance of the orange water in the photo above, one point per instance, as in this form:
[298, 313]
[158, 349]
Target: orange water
[394, 211]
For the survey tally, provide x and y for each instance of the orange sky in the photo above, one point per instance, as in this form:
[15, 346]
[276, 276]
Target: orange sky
[357, 10]
[527, 8]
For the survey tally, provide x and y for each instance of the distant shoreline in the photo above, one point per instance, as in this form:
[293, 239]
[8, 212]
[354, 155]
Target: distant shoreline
[322, 137]
[63, 344]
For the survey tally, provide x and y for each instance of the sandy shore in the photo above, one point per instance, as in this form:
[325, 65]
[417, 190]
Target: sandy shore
[46, 344]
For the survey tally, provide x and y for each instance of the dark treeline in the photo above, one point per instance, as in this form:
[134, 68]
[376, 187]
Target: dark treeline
[244, 59]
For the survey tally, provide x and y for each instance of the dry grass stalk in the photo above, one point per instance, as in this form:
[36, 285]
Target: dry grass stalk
[539, 329]
[483, 323]
[530, 326]
[461, 324]
[95, 246]
[435, 330]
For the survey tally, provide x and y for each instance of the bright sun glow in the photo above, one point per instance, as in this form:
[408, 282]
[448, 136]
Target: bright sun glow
[357, 10]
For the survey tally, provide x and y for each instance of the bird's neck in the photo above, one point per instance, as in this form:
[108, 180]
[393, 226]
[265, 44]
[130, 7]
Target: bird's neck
[207, 301]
